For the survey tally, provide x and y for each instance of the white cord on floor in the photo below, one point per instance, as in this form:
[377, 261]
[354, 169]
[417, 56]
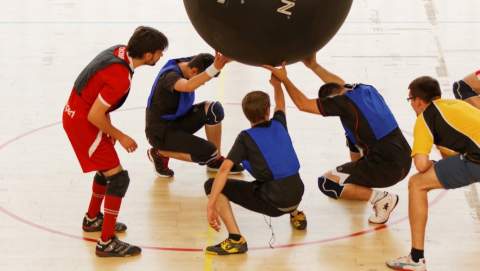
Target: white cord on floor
[269, 224]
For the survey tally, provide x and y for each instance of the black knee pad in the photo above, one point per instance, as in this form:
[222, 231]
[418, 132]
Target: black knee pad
[208, 186]
[215, 113]
[463, 91]
[118, 184]
[204, 153]
[329, 187]
[100, 179]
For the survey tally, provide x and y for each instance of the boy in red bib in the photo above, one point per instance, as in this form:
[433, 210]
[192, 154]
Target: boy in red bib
[102, 87]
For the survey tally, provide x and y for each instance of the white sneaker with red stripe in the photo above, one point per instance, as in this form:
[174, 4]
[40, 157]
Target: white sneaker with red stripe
[406, 263]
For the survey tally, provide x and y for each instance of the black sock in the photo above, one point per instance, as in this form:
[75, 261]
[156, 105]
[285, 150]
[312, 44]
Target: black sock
[234, 237]
[416, 254]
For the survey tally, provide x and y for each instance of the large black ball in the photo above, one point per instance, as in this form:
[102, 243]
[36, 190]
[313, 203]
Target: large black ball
[267, 31]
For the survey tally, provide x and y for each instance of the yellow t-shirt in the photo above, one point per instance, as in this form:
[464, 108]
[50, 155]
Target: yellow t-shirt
[452, 125]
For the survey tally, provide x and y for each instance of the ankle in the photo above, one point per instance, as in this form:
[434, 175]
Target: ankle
[376, 196]
[416, 254]
[105, 240]
[234, 236]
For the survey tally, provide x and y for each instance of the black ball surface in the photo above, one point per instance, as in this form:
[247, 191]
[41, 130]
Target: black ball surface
[259, 32]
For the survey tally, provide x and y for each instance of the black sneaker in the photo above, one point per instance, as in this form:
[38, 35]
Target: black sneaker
[160, 162]
[214, 166]
[299, 220]
[228, 247]
[116, 248]
[95, 224]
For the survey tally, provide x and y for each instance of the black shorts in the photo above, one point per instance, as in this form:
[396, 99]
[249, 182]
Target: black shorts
[462, 91]
[381, 167]
[250, 195]
[177, 135]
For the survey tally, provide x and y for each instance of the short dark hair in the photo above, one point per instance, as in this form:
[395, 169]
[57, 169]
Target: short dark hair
[329, 89]
[146, 40]
[255, 105]
[201, 61]
[425, 88]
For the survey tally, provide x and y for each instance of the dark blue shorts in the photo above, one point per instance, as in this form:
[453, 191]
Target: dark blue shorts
[456, 171]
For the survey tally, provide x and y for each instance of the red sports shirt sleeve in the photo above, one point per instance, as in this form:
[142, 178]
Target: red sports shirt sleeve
[117, 84]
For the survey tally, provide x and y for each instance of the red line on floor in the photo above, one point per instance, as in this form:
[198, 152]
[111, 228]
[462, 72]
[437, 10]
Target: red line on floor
[179, 249]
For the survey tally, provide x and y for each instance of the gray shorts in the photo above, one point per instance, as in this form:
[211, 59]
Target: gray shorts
[456, 171]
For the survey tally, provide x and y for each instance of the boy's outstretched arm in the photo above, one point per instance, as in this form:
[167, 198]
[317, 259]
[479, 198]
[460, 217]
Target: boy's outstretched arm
[324, 74]
[299, 99]
[278, 93]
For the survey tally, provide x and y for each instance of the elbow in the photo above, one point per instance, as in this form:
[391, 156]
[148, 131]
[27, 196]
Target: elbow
[423, 167]
[90, 117]
[93, 118]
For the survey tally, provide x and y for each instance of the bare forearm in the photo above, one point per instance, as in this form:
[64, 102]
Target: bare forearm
[327, 76]
[102, 122]
[218, 184]
[295, 94]
[197, 81]
[279, 98]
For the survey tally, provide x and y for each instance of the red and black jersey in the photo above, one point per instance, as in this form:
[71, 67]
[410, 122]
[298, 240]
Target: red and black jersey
[107, 77]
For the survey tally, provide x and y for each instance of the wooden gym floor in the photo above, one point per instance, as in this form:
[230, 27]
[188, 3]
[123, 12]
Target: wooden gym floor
[43, 194]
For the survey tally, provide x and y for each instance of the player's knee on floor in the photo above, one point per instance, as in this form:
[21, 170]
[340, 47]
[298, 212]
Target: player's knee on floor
[100, 179]
[462, 90]
[330, 188]
[204, 153]
[208, 186]
[118, 184]
[215, 113]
